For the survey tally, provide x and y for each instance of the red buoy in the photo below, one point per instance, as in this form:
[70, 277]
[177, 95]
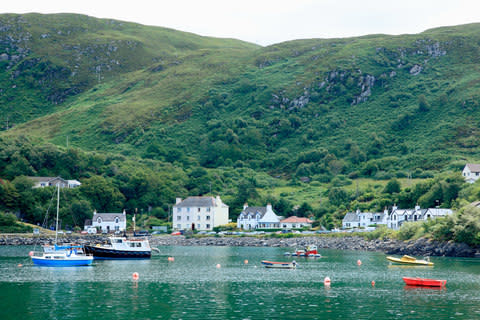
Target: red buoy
[135, 276]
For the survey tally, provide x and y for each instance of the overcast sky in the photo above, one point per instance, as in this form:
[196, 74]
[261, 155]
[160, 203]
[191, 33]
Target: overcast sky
[270, 21]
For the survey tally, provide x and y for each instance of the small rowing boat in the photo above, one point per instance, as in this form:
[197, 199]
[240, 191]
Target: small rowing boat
[410, 260]
[424, 282]
[279, 265]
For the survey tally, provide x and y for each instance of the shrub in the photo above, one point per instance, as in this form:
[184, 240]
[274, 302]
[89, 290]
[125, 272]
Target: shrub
[410, 230]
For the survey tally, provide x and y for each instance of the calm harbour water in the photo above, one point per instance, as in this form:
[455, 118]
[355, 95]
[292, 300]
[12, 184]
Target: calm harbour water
[192, 287]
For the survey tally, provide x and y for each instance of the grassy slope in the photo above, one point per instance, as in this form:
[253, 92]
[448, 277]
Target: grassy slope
[177, 85]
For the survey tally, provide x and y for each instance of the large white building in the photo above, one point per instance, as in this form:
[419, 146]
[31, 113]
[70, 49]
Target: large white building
[199, 213]
[258, 218]
[108, 222]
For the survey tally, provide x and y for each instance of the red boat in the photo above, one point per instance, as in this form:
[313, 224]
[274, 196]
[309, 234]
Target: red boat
[424, 282]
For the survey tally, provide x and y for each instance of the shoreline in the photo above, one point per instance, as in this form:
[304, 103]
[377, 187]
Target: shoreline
[420, 247]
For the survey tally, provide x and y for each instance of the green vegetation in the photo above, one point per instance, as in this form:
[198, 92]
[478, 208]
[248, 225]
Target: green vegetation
[141, 115]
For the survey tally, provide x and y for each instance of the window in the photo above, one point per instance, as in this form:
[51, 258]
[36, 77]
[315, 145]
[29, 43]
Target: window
[188, 218]
[99, 220]
[198, 209]
[139, 244]
[198, 218]
[188, 209]
[208, 217]
[198, 226]
[208, 226]
[117, 228]
[116, 219]
[179, 218]
[208, 209]
[179, 226]
[179, 209]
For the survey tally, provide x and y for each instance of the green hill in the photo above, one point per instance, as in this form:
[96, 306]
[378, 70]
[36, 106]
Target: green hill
[321, 110]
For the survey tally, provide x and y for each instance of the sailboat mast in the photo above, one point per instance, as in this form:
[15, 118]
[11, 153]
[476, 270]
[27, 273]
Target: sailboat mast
[58, 207]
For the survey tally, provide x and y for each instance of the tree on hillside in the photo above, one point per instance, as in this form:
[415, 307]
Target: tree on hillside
[393, 186]
[103, 195]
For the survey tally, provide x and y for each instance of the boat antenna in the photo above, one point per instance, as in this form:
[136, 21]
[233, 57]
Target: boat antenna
[58, 206]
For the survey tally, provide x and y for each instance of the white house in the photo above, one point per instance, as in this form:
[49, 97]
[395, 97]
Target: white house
[108, 222]
[258, 218]
[199, 213]
[296, 222]
[471, 172]
[41, 182]
[393, 219]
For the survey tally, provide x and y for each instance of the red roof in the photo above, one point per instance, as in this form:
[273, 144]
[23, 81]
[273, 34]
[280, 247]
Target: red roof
[295, 219]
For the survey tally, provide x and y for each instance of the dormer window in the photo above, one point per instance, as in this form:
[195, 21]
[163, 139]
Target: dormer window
[99, 220]
[116, 220]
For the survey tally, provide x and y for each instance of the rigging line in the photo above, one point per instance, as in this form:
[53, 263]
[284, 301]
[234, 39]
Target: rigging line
[45, 220]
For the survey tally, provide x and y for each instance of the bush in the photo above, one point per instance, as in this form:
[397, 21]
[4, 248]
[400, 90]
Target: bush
[410, 230]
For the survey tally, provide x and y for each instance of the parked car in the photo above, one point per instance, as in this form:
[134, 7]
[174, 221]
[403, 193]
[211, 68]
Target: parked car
[176, 233]
[141, 233]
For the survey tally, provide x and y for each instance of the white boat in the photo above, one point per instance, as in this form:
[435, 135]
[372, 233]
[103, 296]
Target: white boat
[121, 248]
[61, 256]
[279, 265]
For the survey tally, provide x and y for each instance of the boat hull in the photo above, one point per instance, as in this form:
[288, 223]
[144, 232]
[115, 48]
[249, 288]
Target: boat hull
[424, 282]
[40, 261]
[109, 253]
[279, 265]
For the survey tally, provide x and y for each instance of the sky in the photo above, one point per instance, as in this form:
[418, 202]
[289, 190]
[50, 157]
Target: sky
[267, 22]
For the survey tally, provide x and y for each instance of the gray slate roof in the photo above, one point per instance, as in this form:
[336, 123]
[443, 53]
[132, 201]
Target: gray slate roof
[351, 217]
[473, 167]
[196, 202]
[254, 210]
[109, 216]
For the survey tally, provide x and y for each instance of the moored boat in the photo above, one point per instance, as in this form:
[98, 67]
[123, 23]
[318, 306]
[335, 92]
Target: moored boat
[121, 248]
[424, 282]
[279, 265]
[61, 256]
[409, 260]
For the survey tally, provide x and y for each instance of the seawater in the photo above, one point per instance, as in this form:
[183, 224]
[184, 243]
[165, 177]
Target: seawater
[193, 287]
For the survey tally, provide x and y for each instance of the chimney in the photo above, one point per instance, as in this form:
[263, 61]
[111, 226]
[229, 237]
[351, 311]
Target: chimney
[124, 212]
[417, 207]
[218, 201]
[245, 206]
[269, 207]
[394, 207]
[178, 200]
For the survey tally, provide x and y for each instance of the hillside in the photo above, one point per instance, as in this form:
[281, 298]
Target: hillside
[378, 106]
[46, 59]
[142, 115]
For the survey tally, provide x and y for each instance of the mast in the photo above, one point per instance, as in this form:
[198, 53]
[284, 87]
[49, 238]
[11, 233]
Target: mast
[58, 206]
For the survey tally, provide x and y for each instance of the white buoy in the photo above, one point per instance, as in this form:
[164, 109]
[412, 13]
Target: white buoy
[218, 266]
[327, 281]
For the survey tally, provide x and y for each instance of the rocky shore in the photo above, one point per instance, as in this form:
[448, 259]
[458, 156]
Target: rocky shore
[421, 247]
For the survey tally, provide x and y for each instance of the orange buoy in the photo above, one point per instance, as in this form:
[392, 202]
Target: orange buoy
[373, 283]
[218, 265]
[20, 265]
[246, 261]
[171, 259]
[359, 262]
[30, 253]
[135, 276]
[327, 281]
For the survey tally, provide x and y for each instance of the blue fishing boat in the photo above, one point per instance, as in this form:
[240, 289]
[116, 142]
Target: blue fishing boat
[61, 256]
